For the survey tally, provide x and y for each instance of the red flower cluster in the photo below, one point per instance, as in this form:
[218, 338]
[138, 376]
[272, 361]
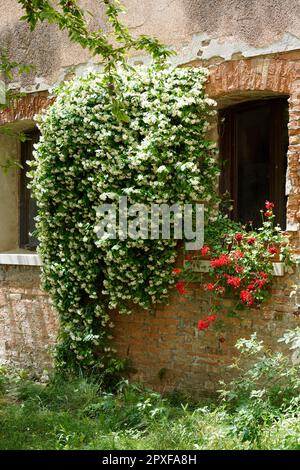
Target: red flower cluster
[268, 213]
[180, 286]
[238, 268]
[176, 270]
[273, 250]
[269, 205]
[210, 286]
[238, 237]
[204, 250]
[258, 283]
[246, 297]
[238, 254]
[234, 281]
[223, 260]
[204, 324]
[214, 287]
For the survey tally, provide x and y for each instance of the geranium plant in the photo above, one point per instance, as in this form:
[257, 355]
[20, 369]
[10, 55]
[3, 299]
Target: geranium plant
[241, 263]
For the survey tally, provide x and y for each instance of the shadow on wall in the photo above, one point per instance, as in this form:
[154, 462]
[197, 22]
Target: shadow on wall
[41, 48]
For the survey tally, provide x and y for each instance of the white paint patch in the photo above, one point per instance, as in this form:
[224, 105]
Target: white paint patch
[2, 92]
[228, 46]
[201, 46]
[20, 259]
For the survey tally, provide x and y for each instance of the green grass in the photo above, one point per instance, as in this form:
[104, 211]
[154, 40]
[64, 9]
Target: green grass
[76, 414]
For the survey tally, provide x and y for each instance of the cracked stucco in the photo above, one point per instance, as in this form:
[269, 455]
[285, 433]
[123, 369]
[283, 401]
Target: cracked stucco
[196, 29]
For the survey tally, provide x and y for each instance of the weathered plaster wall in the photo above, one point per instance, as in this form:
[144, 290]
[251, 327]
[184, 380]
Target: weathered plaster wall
[195, 28]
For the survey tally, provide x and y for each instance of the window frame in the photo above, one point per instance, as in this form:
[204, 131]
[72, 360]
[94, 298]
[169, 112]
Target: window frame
[25, 193]
[228, 129]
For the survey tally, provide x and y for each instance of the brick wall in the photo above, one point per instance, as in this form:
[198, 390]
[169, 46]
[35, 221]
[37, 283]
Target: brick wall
[167, 351]
[27, 323]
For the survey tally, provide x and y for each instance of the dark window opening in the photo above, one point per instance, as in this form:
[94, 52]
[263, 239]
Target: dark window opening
[253, 148]
[28, 207]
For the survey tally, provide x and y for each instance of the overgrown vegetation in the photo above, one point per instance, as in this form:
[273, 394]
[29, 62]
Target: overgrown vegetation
[259, 409]
[157, 154]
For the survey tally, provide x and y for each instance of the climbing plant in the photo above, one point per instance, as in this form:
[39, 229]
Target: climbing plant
[86, 156]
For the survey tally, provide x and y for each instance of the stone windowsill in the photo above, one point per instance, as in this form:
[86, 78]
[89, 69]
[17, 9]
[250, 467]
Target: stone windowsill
[20, 258]
[202, 266]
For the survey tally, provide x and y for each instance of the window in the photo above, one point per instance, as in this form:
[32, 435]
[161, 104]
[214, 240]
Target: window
[253, 147]
[28, 207]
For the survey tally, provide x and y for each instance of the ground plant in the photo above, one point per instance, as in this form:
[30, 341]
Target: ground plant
[258, 409]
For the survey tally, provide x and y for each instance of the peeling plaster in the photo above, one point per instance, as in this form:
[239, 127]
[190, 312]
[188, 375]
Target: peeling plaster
[227, 47]
[201, 47]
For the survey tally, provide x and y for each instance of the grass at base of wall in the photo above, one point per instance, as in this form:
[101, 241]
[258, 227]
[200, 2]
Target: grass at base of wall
[76, 414]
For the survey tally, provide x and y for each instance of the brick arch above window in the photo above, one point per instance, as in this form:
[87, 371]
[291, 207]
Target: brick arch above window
[261, 74]
[26, 107]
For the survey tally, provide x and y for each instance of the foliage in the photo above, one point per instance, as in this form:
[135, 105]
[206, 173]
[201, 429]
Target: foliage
[259, 409]
[86, 157]
[240, 262]
[264, 390]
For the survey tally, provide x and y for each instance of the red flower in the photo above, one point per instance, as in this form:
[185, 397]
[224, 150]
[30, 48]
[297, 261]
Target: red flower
[262, 274]
[246, 297]
[238, 237]
[211, 318]
[238, 254]
[223, 260]
[220, 289]
[209, 286]
[188, 258]
[238, 269]
[251, 241]
[234, 281]
[202, 325]
[180, 286]
[176, 270]
[269, 205]
[268, 213]
[273, 250]
[260, 283]
[251, 286]
[204, 250]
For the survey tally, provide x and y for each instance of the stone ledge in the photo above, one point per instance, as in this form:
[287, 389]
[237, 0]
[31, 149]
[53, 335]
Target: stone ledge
[20, 259]
[202, 266]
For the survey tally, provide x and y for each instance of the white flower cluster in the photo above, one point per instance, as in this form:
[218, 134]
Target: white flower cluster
[85, 157]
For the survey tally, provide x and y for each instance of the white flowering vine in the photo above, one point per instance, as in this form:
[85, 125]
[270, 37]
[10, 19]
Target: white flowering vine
[156, 153]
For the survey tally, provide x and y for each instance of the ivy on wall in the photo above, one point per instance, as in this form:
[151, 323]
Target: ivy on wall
[86, 156]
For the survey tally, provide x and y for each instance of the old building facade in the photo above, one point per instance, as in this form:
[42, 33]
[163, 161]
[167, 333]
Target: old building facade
[253, 55]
